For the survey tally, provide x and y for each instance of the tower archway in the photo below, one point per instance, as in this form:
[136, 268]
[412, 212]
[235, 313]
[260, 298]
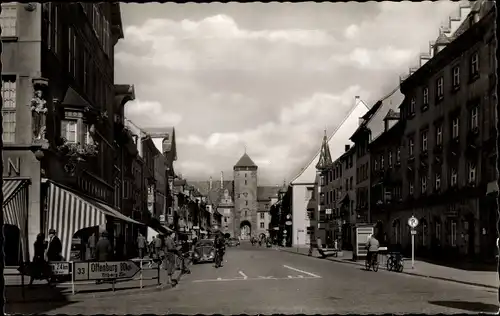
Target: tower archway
[245, 230]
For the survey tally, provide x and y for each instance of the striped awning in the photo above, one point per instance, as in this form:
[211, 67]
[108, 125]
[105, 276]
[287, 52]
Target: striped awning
[15, 209]
[69, 212]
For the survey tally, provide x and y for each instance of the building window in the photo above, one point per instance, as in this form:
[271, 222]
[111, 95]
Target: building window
[246, 182]
[474, 65]
[472, 172]
[411, 146]
[439, 135]
[438, 231]
[375, 165]
[453, 232]
[440, 88]
[474, 118]
[261, 225]
[410, 188]
[225, 219]
[389, 158]
[69, 131]
[454, 177]
[456, 77]
[71, 51]
[455, 127]
[424, 140]
[382, 165]
[261, 215]
[309, 194]
[8, 19]
[246, 203]
[423, 184]
[9, 93]
[398, 154]
[412, 106]
[425, 93]
[438, 181]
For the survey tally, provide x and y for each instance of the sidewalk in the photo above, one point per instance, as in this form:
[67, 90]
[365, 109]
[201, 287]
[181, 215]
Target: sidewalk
[422, 269]
[41, 291]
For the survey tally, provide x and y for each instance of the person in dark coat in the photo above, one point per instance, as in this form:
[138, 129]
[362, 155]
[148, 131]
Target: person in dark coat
[141, 245]
[92, 242]
[103, 249]
[54, 248]
[39, 269]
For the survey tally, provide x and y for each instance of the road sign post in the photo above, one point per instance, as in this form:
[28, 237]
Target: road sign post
[413, 223]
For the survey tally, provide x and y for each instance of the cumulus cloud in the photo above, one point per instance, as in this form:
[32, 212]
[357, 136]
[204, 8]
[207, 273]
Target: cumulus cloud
[236, 79]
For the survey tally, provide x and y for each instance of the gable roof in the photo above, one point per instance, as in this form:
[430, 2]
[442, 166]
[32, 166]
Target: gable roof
[265, 193]
[336, 142]
[214, 195]
[245, 161]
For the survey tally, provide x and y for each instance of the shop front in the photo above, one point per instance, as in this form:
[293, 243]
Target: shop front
[21, 204]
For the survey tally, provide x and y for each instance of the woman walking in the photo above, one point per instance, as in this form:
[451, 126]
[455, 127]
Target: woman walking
[39, 267]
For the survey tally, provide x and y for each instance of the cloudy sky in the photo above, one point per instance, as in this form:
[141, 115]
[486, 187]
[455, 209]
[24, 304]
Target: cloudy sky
[268, 77]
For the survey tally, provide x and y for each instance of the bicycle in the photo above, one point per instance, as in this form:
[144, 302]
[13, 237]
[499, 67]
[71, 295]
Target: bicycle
[395, 262]
[373, 263]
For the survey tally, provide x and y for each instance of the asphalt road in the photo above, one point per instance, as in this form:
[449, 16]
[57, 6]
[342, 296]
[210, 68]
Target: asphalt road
[257, 280]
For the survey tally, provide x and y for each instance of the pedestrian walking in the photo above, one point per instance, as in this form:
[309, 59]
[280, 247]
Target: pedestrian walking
[141, 245]
[103, 249]
[39, 269]
[54, 247]
[170, 257]
[91, 243]
[158, 252]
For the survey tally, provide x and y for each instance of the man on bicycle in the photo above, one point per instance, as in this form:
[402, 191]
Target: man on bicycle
[220, 246]
[372, 246]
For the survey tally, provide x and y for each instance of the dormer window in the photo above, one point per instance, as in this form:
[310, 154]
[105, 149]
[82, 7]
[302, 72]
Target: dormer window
[424, 141]
[454, 177]
[389, 158]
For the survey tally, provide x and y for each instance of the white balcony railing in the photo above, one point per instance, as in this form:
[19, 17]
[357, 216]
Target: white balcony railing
[8, 19]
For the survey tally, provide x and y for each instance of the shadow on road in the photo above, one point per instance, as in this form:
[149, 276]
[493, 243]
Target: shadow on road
[38, 299]
[468, 306]
[467, 265]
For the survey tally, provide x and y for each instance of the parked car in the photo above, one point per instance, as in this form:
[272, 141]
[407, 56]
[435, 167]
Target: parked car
[233, 242]
[204, 251]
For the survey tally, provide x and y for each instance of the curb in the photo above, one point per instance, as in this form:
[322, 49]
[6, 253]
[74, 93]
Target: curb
[82, 296]
[403, 272]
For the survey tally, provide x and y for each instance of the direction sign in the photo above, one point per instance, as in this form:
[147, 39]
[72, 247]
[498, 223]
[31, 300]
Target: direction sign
[288, 223]
[105, 270]
[413, 222]
[60, 267]
[413, 232]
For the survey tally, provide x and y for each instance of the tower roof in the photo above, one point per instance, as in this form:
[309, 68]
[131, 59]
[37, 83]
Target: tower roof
[325, 158]
[245, 161]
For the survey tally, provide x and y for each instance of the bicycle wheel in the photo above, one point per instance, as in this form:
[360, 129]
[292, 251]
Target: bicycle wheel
[390, 264]
[400, 266]
[375, 264]
[367, 265]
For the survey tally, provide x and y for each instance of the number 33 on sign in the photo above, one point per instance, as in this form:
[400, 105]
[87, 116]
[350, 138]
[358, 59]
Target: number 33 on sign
[81, 271]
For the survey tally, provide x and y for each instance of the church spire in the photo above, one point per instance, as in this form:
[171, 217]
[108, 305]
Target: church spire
[222, 180]
[325, 158]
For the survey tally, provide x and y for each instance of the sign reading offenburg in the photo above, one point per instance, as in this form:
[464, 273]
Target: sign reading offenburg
[104, 270]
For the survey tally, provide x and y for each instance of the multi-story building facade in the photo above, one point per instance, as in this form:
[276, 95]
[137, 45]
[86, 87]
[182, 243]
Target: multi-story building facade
[346, 203]
[448, 156]
[266, 196]
[60, 62]
[386, 178]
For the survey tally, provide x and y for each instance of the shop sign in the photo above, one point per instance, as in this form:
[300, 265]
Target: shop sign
[12, 167]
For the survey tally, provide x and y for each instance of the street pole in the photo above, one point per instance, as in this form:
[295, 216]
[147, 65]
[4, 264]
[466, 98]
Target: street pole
[412, 251]
[297, 240]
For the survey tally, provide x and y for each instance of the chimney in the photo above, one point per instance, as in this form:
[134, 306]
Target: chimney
[347, 147]
[210, 184]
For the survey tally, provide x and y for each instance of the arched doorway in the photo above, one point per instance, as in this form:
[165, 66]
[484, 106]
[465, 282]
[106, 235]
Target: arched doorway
[12, 247]
[245, 230]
